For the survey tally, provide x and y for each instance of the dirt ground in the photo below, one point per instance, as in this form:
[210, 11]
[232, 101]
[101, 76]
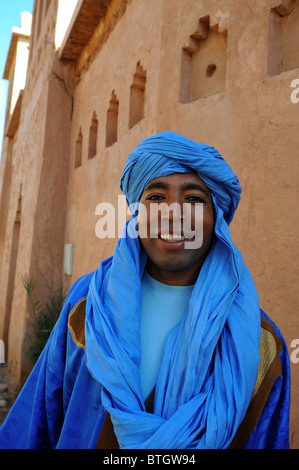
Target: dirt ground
[8, 393]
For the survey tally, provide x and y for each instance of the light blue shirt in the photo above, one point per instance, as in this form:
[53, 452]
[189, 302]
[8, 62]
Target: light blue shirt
[162, 309]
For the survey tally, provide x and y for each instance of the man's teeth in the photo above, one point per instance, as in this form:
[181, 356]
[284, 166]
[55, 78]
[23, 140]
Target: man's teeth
[172, 237]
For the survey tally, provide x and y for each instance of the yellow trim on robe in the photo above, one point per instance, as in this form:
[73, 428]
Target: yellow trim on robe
[76, 323]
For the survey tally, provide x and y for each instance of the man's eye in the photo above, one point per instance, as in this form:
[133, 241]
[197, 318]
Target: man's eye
[155, 197]
[195, 199]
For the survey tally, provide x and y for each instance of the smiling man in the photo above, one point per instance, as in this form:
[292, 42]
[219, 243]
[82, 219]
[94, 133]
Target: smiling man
[165, 344]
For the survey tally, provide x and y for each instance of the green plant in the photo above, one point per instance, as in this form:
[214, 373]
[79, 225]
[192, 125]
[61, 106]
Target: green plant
[45, 316]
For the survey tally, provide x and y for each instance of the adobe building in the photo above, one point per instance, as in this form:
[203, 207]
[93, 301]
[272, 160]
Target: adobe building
[104, 74]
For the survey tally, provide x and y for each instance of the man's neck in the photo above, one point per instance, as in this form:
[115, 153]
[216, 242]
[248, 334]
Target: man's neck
[173, 278]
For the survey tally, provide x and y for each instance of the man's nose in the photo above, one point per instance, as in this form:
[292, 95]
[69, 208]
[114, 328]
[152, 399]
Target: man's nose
[172, 214]
[174, 210]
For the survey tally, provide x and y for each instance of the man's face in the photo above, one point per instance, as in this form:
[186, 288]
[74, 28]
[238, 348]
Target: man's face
[173, 255]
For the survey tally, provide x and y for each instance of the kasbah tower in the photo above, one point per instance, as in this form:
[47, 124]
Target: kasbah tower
[89, 79]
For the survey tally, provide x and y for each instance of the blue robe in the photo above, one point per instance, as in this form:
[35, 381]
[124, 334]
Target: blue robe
[60, 404]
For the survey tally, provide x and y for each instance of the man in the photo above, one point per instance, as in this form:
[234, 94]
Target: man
[165, 345]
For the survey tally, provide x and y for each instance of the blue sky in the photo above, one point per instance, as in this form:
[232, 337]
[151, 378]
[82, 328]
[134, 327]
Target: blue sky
[10, 15]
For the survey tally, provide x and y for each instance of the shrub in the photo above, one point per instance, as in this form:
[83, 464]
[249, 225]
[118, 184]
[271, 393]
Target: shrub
[45, 316]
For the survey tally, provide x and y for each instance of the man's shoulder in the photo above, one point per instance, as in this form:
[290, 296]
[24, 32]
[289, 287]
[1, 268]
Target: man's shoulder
[267, 324]
[79, 289]
[272, 344]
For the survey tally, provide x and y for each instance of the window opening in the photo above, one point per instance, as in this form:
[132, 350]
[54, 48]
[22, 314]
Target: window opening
[283, 39]
[203, 66]
[93, 136]
[78, 151]
[137, 96]
[112, 120]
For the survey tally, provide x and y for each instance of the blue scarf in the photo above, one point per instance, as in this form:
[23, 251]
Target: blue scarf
[211, 357]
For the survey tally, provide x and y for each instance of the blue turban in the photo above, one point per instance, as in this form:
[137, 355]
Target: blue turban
[211, 357]
[167, 153]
